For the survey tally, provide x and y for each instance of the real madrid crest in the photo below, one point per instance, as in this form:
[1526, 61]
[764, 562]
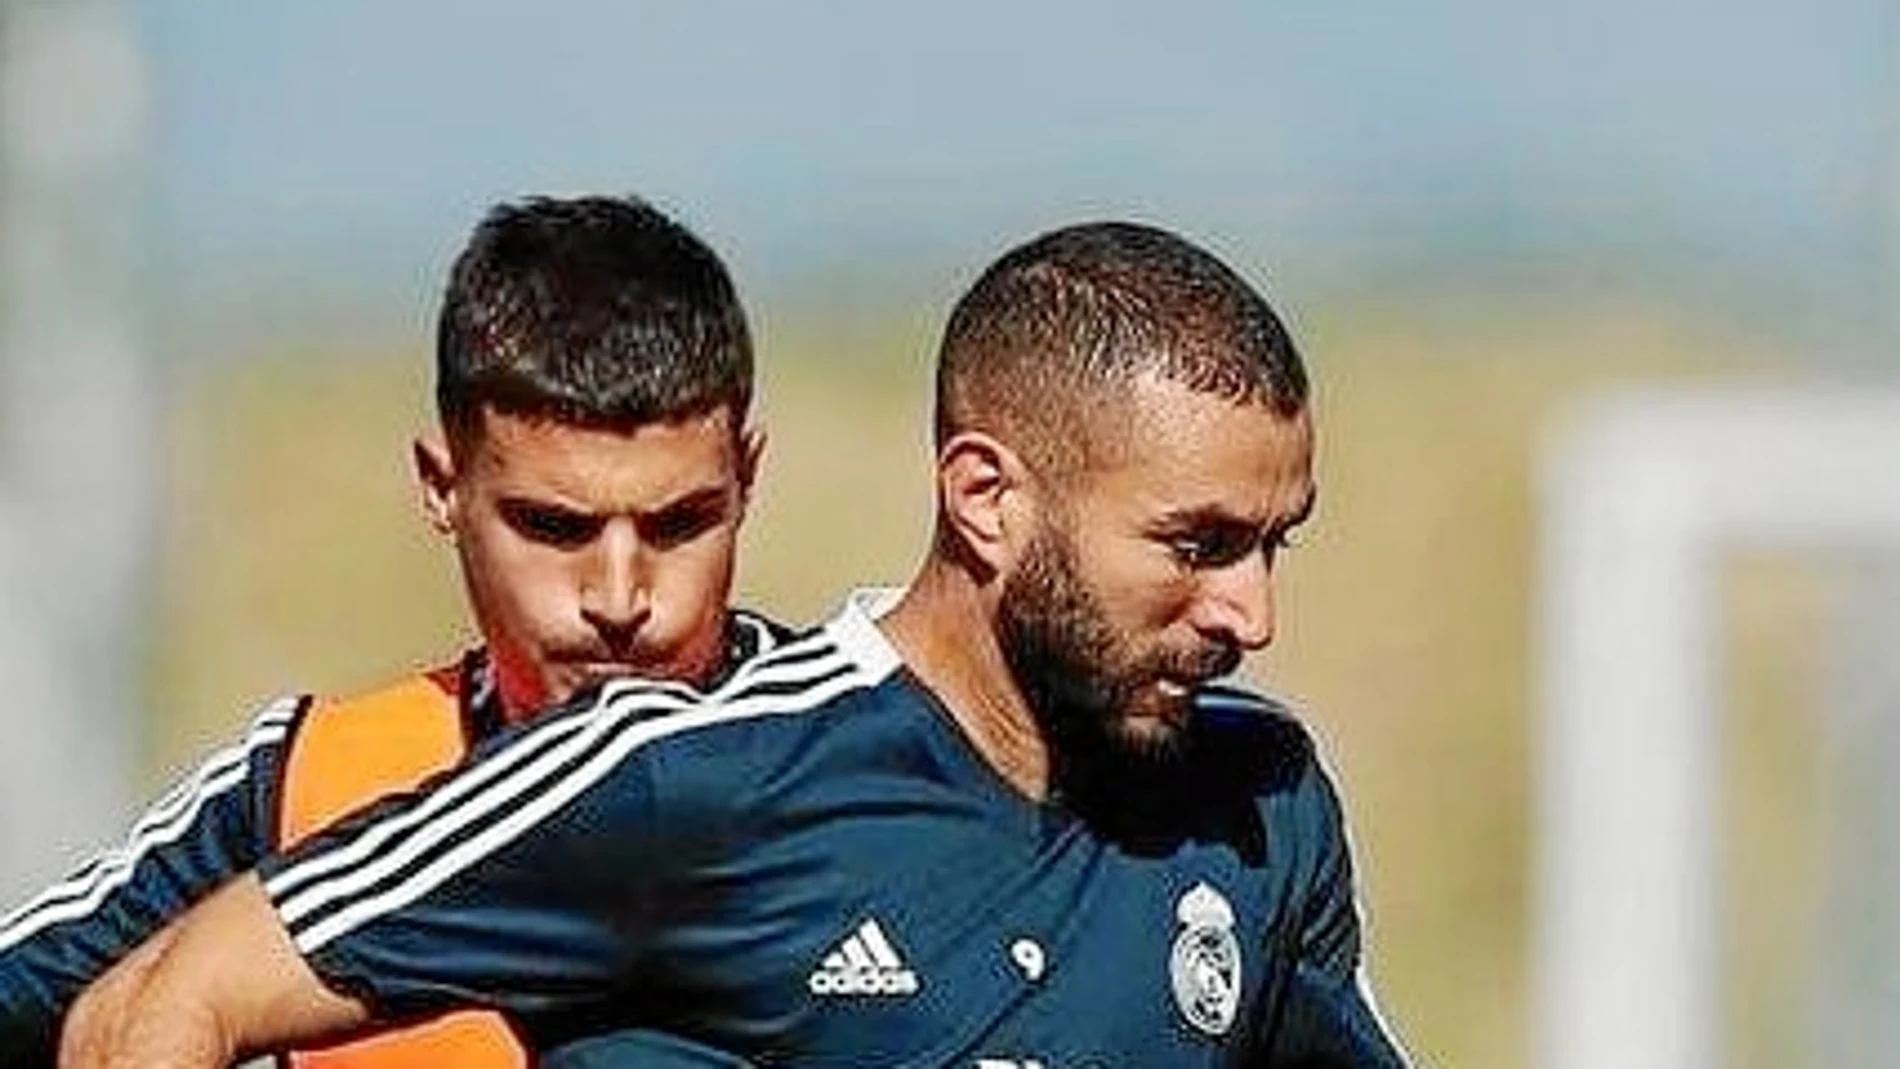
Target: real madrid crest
[1205, 963]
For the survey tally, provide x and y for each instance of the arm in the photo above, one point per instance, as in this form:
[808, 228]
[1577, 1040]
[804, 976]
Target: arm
[1328, 1018]
[177, 1002]
[212, 825]
[503, 884]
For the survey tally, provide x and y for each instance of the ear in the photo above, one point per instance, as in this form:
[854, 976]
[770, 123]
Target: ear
[435, 480]
[986, 496]
[751, 451]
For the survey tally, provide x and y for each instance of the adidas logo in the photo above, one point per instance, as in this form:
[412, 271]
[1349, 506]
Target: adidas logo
[864, 963]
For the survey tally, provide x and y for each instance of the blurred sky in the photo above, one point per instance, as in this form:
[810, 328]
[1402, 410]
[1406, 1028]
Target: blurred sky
[871, 140]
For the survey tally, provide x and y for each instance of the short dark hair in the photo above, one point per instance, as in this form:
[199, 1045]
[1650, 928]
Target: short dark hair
[1064, 322]
[596, 311]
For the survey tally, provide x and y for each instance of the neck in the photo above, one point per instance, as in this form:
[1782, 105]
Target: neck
[517, 702]
[944, 628]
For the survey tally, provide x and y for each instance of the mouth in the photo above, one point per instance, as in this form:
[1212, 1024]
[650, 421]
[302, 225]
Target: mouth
[595, 671]
[1176, 682]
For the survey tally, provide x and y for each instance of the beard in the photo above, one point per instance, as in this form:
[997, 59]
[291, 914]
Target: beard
[1097, 700]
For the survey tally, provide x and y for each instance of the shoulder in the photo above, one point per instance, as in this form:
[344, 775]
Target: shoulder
[345, 752]
[1251, 743]
[1243, 733]
[777, 694]
[432, 691]
[632, 761]
[1262, 746]
[1245, 774]
[422, 710]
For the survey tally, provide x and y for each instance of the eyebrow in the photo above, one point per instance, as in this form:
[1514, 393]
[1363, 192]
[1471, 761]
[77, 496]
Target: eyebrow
[701, 497]
[704, 497]
[1196, 515]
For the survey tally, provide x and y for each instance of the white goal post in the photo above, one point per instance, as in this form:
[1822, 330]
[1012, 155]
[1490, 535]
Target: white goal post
[78, 422]
[1645, 492]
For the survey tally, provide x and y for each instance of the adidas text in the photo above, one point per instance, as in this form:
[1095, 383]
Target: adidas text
[864, 982]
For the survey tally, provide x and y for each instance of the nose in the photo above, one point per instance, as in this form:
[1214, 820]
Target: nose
[1236, 602]
[615, 599]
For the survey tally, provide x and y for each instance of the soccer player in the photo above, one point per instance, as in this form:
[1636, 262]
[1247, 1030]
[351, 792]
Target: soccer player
[1007, 817]
[594, 374]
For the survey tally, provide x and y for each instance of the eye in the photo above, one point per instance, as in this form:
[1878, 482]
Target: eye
[1214, 548]
[676, 526]
[550, 525]
[1190, 552]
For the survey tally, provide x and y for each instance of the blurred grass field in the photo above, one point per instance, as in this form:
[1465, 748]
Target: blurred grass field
[293, 558]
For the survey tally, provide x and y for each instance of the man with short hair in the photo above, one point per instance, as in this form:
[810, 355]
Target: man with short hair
[1006, 817]
[593, 381]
